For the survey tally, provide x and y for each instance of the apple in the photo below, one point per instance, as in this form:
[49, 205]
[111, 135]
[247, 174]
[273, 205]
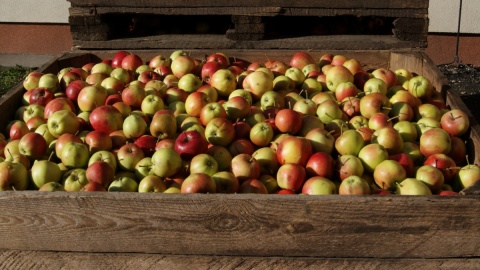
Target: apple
[403, 75]
[258, 83]
[350, 142]
[198, 183]
[412, 186]
[401, 111]
[210, 111]
[288, 121]
[131, 62]
[103, 155]
[294, 149]
[125, 76]
[13, 176]
[166, 162]
[261, 134]
[49, 81]
[106, 118]
[159, 61]
[305, 107]
[444, 163]
[329, 110]
[151, 183]
[33, 145]
[182, 65]
[220, 131]
[57, 104]
[63, 121]
[74, 155]
[31, 80]
[123, 183]
[458, 150]
[253, 186]
[118, 58]
[466, 176]
[347, 165]
[221, 155]
[133, 95]
[354, 185]
[190, 143]
[321, 140]
[283, 83]
[353, 65]
[318, 185]
[93, 186]
[421, 87]
[389, 138]
[371, 155]
[406, 161]
[386, 75]
[387, 173]
[428, 110]
[128, 156]
[374, 103]
[225, 182]
[74, 179]
[296, 75]
[203, 163]
[320, 164]
[455, 122]
[301, 59]
[101, 172]
[40, 96]
[189, 82]
[245, 166]
[208, 69]
[163, 125]
[336, 75]
[98, 140]
[134, 126]
[291, 176]
[435, 141]
[143, 168]
[430, 176]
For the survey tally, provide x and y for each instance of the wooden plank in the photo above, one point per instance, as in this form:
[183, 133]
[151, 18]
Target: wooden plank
[251, 11]
[274, 3]
[242, 224]
[333, 42]
[14, 259]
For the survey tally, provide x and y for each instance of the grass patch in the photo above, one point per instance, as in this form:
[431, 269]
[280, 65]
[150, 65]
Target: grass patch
[10, 76]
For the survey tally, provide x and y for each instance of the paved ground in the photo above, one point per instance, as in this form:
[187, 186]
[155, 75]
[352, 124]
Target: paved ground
[25, 60]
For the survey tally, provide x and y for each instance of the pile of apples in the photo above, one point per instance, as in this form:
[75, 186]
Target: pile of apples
[217, 124]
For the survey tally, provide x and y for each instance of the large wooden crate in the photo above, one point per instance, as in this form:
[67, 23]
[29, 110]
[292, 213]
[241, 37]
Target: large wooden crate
[82, 230]
[211, 24]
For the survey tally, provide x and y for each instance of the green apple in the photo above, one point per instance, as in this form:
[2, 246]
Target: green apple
[44, 171]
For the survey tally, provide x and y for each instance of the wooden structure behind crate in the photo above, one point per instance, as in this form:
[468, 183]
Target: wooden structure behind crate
[106, 230]
[251, 24]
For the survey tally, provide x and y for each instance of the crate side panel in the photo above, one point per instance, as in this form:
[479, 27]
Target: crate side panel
[281, 3]
[243, 225]
[14, 259]
[189, 42]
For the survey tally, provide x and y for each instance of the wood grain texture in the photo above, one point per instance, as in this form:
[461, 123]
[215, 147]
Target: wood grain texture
[14, 259]
[220, 42]
[275, 3]
[242, 225]
[250, 11]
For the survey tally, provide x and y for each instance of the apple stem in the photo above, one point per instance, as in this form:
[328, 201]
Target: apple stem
[386, 108]
[393, 118]
[10, 153]
[267, 58]
[51, 154]
[13, 188]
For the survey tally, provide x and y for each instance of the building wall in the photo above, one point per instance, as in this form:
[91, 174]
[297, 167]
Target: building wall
[28, 27]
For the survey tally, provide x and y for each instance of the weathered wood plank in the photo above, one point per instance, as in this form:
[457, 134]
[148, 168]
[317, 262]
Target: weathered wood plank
[243, 224]
[250, 11]
[274, 3]
[334, 42]
[15, 259]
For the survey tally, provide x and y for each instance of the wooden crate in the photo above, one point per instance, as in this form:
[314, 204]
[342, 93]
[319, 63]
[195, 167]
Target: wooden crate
[349, 25]
[88, 230]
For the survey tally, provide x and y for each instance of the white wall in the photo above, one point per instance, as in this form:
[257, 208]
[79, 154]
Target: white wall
[443, 14]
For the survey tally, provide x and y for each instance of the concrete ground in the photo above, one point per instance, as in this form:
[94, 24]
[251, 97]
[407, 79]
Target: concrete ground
[25, 60]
